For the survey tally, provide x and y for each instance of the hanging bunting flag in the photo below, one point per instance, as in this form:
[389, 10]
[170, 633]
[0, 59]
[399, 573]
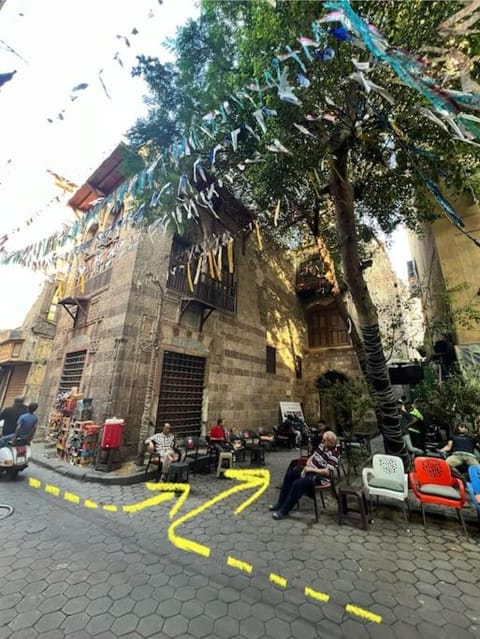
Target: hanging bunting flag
[276, 214]
[199, 270]
[277, 147]
[210, 265]
[189, 277]
[304, 130]
[285, 90]
[259, 236]
[230, 255]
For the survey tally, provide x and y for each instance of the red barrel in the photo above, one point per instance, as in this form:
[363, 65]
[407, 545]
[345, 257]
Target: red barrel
[112, 433]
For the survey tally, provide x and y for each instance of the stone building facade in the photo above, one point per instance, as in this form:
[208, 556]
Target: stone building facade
[444, 260]
[25, 351]
[232, 346]
[148, 340]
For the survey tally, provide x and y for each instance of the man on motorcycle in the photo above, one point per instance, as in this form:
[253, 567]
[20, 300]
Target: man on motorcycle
[11, 414]
[26, 426]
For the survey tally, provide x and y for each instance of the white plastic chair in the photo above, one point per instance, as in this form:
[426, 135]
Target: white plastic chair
[387, 478]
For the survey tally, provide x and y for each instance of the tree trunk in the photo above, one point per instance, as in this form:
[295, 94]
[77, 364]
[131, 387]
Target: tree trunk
[376, 370]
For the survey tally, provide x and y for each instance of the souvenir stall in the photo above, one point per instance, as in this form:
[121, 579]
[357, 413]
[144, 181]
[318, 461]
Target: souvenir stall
[71, 428]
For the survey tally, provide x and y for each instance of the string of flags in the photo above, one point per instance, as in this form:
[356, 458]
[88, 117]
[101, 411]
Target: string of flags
[206, 138]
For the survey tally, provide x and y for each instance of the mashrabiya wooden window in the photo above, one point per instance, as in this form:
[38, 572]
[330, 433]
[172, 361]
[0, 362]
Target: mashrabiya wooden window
[326, 327]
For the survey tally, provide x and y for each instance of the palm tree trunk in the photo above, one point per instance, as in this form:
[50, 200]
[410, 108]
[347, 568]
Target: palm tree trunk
[376, 370]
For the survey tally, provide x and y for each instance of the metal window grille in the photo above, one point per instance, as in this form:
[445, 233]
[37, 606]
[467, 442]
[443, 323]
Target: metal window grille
[271, 360]
[72, 371]
[181, 393]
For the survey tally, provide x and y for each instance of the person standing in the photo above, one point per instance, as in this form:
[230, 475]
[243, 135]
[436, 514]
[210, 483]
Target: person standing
[405, 421]
[11, 414]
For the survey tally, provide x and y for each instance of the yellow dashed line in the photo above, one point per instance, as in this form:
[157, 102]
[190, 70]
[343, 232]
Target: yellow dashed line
[241, 565]
[193, 546]
[75, 499]
[52, 490]
[364, 614]
[315, 594]
[276, 579]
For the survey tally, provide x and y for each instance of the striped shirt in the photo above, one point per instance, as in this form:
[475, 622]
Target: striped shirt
[325, 457]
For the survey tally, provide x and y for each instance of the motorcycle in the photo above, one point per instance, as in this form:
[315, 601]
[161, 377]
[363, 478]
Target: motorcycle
[14, 457]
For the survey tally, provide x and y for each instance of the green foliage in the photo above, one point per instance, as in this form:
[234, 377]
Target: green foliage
[456, 398]
[348, 399]
[233, 42]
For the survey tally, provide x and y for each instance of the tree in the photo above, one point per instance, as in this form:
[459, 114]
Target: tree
[456, 398]
[347, 154]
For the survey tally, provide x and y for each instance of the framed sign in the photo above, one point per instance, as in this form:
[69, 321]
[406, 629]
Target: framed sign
[291, 409]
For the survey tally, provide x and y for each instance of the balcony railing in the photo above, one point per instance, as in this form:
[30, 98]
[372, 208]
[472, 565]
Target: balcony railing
[209, 291]
[307, 283]
[94, 283]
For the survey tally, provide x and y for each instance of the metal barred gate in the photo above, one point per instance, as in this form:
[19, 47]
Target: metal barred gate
[181, 393]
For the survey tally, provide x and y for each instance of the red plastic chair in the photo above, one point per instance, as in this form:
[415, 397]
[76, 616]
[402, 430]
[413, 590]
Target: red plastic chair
[432, 483]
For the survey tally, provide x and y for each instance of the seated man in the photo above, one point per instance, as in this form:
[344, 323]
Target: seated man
[286, 430]
[10, 415]
[299, 481]
[462, 448]
[26, 426]
[163, 444]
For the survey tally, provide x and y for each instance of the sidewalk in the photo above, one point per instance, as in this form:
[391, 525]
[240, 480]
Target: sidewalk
[45, 456]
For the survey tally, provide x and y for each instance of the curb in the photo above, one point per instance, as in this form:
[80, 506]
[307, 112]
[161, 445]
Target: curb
[90, 477]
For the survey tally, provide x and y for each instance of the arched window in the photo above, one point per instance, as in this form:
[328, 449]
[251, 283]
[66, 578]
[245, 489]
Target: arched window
[326, 327]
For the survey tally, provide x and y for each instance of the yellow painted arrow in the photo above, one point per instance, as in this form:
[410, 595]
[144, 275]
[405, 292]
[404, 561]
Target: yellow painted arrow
[259, 479]
[168, 491]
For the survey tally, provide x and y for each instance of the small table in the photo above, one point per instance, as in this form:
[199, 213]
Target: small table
[178, 472]
[356, 517]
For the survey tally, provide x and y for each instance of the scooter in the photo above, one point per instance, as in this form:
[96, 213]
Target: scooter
[14, 457]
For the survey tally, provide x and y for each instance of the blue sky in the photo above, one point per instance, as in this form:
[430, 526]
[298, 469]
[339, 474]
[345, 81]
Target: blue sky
[54, 46]
[57, 45]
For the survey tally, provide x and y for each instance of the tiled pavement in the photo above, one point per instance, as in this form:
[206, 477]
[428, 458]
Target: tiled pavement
[69, 571]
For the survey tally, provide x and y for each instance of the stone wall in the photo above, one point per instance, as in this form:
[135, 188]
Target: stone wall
[136, 310]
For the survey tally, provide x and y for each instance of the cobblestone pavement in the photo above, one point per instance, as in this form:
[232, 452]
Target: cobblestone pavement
[70, 571]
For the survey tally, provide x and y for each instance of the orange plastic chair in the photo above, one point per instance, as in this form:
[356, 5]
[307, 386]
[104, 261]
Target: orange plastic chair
[432, 483]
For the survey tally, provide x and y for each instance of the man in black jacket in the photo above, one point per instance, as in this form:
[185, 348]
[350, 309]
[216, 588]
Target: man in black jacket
[11, 414]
